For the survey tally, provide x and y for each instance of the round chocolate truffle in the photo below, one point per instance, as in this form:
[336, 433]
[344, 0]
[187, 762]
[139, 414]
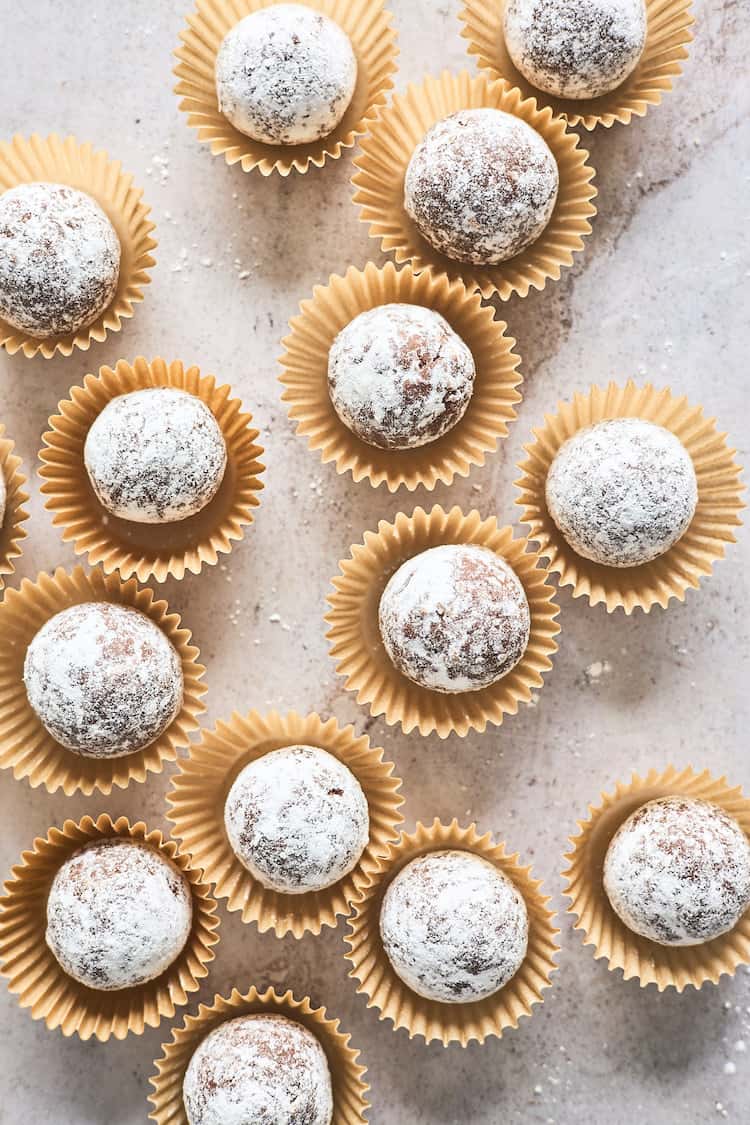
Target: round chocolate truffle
[103, 679]
[455, 618]
[399, 376]
[453, 926]
[297, 819]
[481, 186]
[259, 1069]
[677, 871]
[118, 914]
[59, 259]
[622, 492]
[575, 48]
[285, 75]
[155, 456]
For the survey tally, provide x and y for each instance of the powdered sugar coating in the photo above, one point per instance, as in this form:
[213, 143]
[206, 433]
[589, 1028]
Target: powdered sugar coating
[399, 376]
[103, 679]
[575, 48]
[59, 259]
[454, 927]
[258, 1070]
[118, 914]
[297, 819]
[285, 75]
[622, 492]
[677, 871]
[155, 456]
[481, 186]
[455, 618]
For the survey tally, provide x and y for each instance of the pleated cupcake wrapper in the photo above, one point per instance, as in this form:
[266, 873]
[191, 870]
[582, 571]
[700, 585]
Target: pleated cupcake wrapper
[347, 1074]
[357, 647]
[369, 27]
[12, 533]
[200, 789]
[704, 542]
[39, 981]
[430, 1019]
[651, 963]
[25, 745]
[305, 376]
[384, 157]
[53, 160]
[157, 551]
[667, 40]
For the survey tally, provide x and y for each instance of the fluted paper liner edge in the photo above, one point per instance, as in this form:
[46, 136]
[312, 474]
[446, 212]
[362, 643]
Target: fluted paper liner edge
[12, 531]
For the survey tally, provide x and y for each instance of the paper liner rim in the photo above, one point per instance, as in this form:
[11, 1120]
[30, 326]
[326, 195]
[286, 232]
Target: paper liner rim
[12, 531]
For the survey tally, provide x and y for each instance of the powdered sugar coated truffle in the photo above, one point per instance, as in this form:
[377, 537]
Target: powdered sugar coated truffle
[455, 618]
[259, 1069]
[622, 492]
[155, 456]
[103, 679]
[285, 75]
[297, 819]
[118, 914]
[59, 259]
[481, 186]
[677, 871]
[453, 926]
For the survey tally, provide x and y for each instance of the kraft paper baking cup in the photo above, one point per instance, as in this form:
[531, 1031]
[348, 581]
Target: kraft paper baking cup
[157, 551]
[12, 533]
[704, 542]
[651, 963]
[39, 981]
[347, 1074]
[200, 789]
[354, 634]
[369, 27]
[667, 40]
[305, 376]
[25, 746]
[52, 160]
[384, 157]
[430, 1019]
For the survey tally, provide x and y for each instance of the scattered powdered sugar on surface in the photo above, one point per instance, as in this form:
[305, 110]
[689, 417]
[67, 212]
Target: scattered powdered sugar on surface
[264, 1069]
[455, 618]
[399, 376]
[622, 492]
[454, 927]
[118, 914]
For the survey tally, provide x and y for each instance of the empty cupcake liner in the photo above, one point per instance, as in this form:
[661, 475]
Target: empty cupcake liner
[305, 376]
[667, 40]
[347, 1074]
[39, 981]
[157, 551]
[25, 746]
[52, 160]
[12, 533]
[357, 647]
[651, 963]
[384, 157]
[704, 542]
[369, 27]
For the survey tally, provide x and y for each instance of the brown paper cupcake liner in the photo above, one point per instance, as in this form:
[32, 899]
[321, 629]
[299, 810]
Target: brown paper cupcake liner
[369, 27]
[693, 556]
[347, 1074]
[305, 376]
[33, 973]
[199, 792]
[156, 551]
[384, 157]
[52, 160]
[430, 1019]
[12, 533]
[667, 40]
[354, 634]
[651, 963]
[25, 746]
